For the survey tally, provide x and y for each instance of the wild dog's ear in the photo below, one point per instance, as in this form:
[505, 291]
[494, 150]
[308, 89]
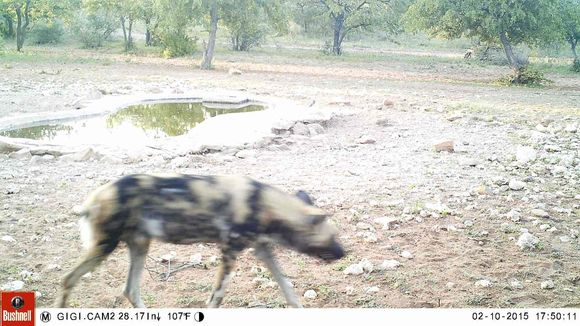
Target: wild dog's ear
[315, 215]
[303, 195]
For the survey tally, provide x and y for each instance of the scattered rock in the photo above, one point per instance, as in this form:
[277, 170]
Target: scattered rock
[246, 153]
[446, 146]
[82, 156]
[483, 283]
[234, 71]
[364, 139]
[315, 129]
[310, 294]
[387, 103]
[366, 265]
[196, 259]
[544, 227]
[53, 267]
[21, 154]
[168, 257]
[388, 223]
[372, 289]
[354, 269]
[528, 241]
[468, 223]
[540, 213]
[525, 154]
[547, 285]
[13, 286]
[300, 129]
[8, 238]
[565, 239]
[517, 185]
[515, 284]
[350, 290]
[407, 254]
[454, 117]
[390, 264]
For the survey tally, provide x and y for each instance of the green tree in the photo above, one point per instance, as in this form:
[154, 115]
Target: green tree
[20, 15]
[175, 18]
[211, 21]
[347, 16]
[249, 21]
[504, 22]
[127, 11]
[570, 14]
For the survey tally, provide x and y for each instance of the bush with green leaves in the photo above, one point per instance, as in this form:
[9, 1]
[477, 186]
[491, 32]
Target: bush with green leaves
[177, 45]
[576, 65]
[525, 76]
[46, 32]
[94, 29]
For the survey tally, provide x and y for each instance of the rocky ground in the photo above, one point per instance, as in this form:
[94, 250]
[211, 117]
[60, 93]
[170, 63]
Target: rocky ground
[489, 217]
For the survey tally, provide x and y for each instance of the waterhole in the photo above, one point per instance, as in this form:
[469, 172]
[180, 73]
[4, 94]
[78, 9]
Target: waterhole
[134, 124]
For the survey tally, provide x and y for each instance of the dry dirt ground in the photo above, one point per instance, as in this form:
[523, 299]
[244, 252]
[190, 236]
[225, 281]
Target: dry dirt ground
[454, 212]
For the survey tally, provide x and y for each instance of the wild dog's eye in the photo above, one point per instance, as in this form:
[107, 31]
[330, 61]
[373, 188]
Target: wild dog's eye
[317, 219]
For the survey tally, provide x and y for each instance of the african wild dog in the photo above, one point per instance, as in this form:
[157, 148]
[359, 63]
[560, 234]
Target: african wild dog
[235, 212]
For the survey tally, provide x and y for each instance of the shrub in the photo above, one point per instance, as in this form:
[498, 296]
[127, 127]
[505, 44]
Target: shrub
[525, 76]
[46, 32]
[576, 65]
[94, 29]
[177, 44]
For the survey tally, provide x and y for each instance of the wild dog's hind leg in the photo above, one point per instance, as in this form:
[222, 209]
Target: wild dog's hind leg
[91, 260]
[264, 253]
[223, 278]
[138, 248]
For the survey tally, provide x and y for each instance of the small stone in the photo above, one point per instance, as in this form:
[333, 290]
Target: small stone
[196, 259]
[388, 223]
[315, 129]
[390, 264]
[528, 241]
[310, 294]
[407, 254]
[246, 153]
[540, 213]
[364, 226]
[354, 269]
[450, 285]
[13, 286]
[234, 71]
[53, 267]
[350, 290]
[168, 257]
[516, 184]
[516, 285]
[446, 146]
[388, 103]
[366, 265]
[483, 283]
[468, 223]
[372, 289]
[21, 154]
[565, 238]
[371, 237]
[547, 285]
[364, 139]
[544, 227]
[525, 154]
[8, 238]
[300, 129]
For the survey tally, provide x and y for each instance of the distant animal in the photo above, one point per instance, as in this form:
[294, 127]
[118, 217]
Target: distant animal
[234, 211]
[468, 54]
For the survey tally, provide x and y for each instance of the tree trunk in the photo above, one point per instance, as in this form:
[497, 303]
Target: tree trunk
[513, 60]
[573, 46]
[130, 34]
[9, 26]
[124, 33]
[209, 50]
[338, 28]
[19, 30]
[147, 32]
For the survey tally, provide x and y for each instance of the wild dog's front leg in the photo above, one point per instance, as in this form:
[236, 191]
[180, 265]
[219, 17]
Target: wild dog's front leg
[264, 253]
[223, 278]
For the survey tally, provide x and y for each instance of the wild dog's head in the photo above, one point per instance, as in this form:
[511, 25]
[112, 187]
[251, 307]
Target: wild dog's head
[295, 222]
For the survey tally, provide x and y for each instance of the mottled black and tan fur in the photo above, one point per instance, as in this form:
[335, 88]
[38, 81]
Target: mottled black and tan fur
[235, 212]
